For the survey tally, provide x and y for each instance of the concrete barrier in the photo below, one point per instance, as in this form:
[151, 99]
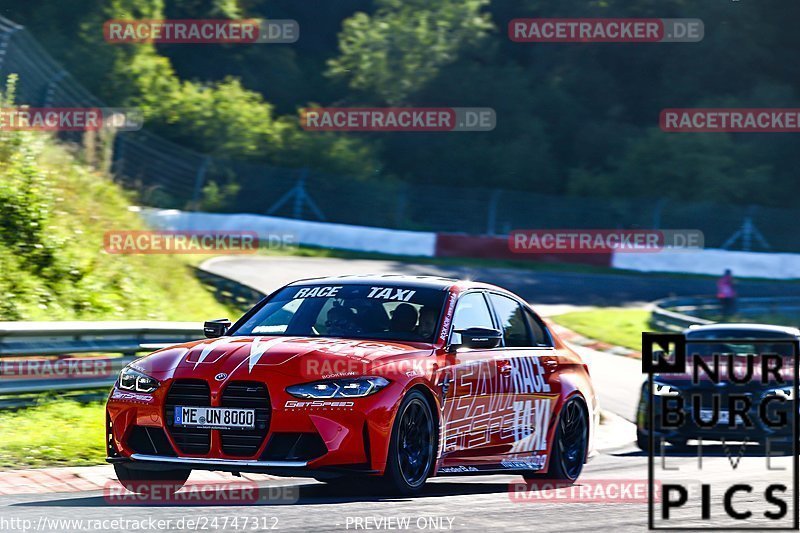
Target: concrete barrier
[713, 262]
[484, 246]
[273, 230]
[305, 232]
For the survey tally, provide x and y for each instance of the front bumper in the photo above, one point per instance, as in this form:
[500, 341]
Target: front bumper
[759, 432]
[300, 438]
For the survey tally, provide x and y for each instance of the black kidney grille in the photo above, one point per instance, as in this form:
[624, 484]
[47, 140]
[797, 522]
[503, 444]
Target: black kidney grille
[188, 392]
[250, 395]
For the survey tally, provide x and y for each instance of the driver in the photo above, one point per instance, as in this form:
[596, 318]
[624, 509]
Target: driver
[341, 320]
[404, 318]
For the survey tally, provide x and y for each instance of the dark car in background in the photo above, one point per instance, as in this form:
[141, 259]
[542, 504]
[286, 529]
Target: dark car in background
[769, 398]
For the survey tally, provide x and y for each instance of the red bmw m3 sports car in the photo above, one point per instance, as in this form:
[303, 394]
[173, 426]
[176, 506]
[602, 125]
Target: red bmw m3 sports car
[396, 378]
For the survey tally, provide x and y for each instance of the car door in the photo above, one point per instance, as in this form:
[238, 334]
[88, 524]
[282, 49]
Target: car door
[470, 411]
[529, 359]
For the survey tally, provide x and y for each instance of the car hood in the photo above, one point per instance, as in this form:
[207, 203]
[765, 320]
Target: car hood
[684, 380]
[243, 358]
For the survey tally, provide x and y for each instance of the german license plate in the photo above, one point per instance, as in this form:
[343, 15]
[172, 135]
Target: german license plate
[707, 414]
[215, 417]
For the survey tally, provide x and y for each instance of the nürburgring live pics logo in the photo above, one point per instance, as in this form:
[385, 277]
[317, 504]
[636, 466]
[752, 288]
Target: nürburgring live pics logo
[732, 390]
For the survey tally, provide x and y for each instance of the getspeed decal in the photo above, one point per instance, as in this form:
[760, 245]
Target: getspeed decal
[132, 397]
[317, 404]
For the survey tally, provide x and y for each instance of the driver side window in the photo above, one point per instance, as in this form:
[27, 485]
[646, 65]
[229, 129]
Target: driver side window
[472, 312]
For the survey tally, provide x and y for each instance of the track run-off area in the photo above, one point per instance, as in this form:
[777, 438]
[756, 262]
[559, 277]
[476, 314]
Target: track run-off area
[485, 503]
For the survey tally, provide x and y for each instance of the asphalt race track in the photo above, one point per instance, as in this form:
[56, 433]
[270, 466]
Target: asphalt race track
[538, 287]
[487, 503]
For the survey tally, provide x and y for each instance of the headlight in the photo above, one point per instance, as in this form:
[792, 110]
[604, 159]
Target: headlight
[662, 389]
[787, 393]
[339, 388]
[133, 380]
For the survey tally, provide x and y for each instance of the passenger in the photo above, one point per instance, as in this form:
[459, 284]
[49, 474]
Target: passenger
[428, 317]
[404, 319]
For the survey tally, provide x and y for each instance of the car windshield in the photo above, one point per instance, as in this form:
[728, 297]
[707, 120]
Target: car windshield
[743, 348]
[380, 312]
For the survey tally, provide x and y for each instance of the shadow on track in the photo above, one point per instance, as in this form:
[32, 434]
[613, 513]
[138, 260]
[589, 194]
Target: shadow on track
[712, 450]
[307, 494]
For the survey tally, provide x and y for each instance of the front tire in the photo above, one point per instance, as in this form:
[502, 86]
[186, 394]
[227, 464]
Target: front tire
[151, 482]
[412, 447]
[571, 440]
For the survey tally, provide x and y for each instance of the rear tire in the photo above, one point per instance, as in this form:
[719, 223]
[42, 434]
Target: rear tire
[571, 440]
[412, 447]
[642, 441]
[151, 481]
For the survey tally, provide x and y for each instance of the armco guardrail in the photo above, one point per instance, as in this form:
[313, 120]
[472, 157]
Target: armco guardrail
[53, 338]
[33, 355]
[664, 315]
[235, 294]
[677, 314]
[44, 356]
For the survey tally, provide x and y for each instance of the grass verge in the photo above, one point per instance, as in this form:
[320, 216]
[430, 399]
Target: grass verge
[55, 212]
[60, 432]
[617, 326]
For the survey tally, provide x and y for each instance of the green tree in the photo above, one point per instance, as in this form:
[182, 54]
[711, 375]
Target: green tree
[698, 167]
[393, 53]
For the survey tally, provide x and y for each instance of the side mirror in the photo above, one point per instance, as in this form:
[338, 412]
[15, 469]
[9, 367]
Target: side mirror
[216, 328]
[477, 338]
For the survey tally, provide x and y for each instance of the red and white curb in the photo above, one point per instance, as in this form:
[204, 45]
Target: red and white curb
[613, 433]
[91, 478]
[575, 338]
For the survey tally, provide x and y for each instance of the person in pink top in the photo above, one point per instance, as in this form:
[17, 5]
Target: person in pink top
[726, 294]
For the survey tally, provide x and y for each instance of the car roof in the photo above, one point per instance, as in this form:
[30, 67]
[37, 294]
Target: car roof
[400, 280]
[745, 331]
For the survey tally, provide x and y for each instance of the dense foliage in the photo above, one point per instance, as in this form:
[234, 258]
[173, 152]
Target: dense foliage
[572, 118]
[54, 212]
